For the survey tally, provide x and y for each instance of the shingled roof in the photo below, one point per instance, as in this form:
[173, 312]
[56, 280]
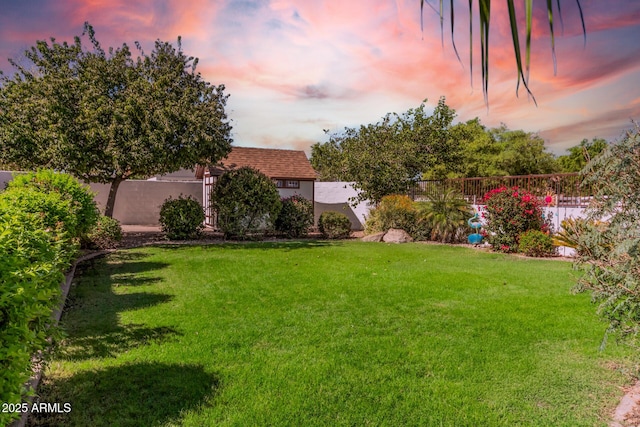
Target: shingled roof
[275, 163]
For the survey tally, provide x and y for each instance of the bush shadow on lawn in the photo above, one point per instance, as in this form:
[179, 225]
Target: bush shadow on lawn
[103, 335]
[136, 394]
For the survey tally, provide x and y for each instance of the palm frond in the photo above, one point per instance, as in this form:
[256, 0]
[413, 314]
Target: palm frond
[485, 22]
[516, 47]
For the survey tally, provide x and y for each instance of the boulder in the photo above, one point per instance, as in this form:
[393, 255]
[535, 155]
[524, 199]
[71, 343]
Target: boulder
[373, 237]
[395, 235]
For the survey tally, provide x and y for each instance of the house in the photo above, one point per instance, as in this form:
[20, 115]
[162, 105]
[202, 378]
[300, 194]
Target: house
[290, 170]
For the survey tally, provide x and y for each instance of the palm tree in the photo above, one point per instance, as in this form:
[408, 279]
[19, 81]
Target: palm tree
[446, 212]
[484, 7]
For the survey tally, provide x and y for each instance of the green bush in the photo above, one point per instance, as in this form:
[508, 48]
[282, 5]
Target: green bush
[82, 204]
[106, 234]
[536, 243]
[32, 259]
[182, 218]
[247, 203]
[393, 211]
[295, 217]
[334, 225]
[55, 211]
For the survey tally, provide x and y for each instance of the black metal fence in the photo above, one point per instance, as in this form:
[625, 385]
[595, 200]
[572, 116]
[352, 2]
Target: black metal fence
[564, 188]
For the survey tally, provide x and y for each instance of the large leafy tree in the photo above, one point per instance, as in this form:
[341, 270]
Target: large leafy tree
[581, 154]
[386, 157]
[107, 116]
[522, 153]
[501, 151]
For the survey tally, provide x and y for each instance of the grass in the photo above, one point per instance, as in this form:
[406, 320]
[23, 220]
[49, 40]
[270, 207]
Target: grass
[317, 333]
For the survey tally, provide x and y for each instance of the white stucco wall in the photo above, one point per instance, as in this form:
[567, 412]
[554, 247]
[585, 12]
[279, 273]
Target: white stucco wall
[334, 196]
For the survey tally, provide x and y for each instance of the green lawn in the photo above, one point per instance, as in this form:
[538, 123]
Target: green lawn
[318, 333]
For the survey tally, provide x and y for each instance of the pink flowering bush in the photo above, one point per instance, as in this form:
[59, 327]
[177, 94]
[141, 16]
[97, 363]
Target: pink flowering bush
[509, 212]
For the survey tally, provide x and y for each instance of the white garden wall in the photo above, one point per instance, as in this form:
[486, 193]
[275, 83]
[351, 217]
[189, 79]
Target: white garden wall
[334, 196]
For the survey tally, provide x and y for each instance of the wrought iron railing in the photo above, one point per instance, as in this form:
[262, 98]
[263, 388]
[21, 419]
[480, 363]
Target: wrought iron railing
[565, 188]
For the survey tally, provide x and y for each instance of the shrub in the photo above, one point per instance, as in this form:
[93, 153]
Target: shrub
[106, 234]
[82, 204]
[509, 213]
[446, 214]
[182, 218]
[609, 252]
[295, 217]
[334, 225]
[393, 211]
[55, 212]
[246, 202]
[32, 260]
[536, 243]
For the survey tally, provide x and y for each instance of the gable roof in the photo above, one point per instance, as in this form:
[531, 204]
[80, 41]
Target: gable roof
[274, 163]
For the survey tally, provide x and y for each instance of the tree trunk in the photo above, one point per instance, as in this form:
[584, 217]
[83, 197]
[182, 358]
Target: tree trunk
[111, 200]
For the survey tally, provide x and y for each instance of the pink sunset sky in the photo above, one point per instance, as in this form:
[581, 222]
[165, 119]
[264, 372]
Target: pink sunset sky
[295, 67]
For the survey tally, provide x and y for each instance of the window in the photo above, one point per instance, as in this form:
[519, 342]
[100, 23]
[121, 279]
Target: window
[287, 183]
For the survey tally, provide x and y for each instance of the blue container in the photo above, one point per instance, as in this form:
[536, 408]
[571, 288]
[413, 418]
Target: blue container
[475, 239]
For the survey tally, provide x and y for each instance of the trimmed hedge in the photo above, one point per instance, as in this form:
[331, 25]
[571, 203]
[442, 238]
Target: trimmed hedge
[38, 229]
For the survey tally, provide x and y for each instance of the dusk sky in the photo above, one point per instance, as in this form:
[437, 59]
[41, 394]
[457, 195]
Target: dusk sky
[295, 67]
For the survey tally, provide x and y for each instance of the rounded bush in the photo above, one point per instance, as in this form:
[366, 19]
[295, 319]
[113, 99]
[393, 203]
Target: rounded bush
[295, 217]
[182, 218]
[82, 204]
[535, 243]
[106, 234]
[334, 225]
[247, 203]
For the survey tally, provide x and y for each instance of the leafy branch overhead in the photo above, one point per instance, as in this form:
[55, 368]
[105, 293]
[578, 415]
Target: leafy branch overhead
[484, 7]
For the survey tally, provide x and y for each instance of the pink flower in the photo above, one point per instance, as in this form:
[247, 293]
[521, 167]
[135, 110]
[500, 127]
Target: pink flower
[526, 198]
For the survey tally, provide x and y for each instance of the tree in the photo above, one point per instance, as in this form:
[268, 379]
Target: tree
[386, 157]
[580, 155]
[479, 149]
[522, 153]
[484, 7]
[608, 245]
[105, 117]
[501, 151]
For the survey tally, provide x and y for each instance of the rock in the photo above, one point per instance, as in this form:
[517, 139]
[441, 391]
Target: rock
[373, 237]
[395, 235]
